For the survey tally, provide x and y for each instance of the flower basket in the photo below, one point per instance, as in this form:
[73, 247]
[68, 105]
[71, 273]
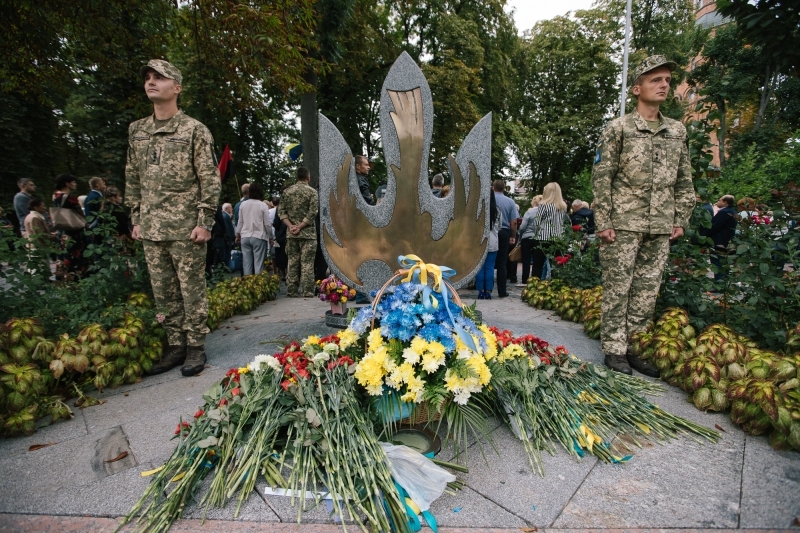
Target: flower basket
[333, 291]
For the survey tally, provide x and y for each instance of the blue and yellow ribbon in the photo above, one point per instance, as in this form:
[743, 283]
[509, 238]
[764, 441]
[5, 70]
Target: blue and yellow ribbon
[418, 271]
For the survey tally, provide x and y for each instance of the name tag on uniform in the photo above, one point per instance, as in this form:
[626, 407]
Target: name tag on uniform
[141, 137]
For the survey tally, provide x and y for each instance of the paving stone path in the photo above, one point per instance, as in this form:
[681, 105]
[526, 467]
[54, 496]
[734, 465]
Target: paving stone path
[739, 483]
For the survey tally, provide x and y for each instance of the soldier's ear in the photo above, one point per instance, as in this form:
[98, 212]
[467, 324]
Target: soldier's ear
[178, 87]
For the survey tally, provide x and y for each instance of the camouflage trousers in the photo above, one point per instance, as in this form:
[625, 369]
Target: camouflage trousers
[632, 268]
[300, 271]
[177, 274]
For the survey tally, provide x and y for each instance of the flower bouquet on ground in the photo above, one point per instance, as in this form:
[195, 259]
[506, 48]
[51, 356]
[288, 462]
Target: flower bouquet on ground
[309, 418]
[296, 410]
[549, 395]
[334, 291]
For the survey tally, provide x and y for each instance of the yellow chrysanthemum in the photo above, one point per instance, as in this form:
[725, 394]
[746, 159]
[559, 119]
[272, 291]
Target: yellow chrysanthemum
[370, 372]
[419, 345]
[347, 338]
[479, 365]
[436, 348]
[312, 339]
[374, 340]
[243, 369]
[512, 351]
[400, 375]
[491, 341]
[432, 360]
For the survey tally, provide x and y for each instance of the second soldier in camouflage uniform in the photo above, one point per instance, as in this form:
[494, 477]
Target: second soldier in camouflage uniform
[172, 188]
[643, 198]
[298, 209]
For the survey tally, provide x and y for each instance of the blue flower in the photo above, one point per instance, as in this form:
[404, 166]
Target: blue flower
[362, 320]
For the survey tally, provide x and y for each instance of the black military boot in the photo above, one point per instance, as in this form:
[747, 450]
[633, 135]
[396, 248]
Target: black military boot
[618, 363]
[174, 356]
[195, 361]
[643, 366]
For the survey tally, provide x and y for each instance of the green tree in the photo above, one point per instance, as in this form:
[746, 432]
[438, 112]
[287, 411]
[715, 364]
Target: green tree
[349, 95]
[726, 77]
[567, 87]
[665, 27]
[467, 49]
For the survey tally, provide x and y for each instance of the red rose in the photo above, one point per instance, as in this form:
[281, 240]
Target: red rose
[222, 402]
[199, 413]
[576, 227]
[236, 391]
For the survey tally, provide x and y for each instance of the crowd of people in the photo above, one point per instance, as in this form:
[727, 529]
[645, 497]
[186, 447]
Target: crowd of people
[173, 188]
[65, 230]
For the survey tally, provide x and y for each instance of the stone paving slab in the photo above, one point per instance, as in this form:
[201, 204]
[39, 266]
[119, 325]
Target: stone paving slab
[770, 486]
[739, 482]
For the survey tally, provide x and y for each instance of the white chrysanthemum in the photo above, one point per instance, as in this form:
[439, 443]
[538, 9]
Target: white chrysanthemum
[461, 397]
[410, 356]
[465, 353]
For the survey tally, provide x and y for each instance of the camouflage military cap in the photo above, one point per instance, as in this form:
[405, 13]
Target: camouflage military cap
[653, 62]
[165, 68]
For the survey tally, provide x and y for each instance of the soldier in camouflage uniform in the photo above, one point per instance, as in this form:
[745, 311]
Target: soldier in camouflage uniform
[298, 209]
[173, 188]
[643, 198]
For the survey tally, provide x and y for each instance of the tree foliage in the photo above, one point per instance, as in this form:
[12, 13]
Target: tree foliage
[566, 88]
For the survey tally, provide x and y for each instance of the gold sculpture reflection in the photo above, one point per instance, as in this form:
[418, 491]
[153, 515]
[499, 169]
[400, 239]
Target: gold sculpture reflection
[409, 230]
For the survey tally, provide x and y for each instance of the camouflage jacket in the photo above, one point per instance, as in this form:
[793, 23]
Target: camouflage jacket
[171, 181]
[642, 179]
[299, 203]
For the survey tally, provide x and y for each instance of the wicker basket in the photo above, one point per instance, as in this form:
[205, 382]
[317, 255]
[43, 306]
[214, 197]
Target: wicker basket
[422, 415]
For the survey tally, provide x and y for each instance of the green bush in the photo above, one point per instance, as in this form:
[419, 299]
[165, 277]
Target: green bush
[759, 297]
[582, 270]
[755, 174]
[117, 269]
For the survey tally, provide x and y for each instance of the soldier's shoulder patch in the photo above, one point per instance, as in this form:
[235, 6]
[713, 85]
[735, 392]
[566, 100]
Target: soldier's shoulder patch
[598, 154]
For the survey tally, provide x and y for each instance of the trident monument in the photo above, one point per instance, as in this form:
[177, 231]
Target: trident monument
[362, 243]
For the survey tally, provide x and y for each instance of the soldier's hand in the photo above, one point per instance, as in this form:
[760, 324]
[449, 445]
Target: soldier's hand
[200, 235]
[136, 234]
[677, 233]
[607, 236]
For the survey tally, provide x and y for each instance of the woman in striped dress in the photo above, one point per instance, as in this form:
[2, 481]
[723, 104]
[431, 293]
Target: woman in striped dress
[545, 222]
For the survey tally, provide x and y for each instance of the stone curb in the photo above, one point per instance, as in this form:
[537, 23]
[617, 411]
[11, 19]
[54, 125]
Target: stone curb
[13, 523]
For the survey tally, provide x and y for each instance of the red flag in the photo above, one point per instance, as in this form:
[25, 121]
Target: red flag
[226, 164]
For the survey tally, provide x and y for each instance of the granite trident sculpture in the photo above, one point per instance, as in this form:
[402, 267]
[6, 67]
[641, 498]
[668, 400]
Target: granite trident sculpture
[361, 243]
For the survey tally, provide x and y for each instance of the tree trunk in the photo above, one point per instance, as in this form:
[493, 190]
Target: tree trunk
[766, 96]
[309, 129]
[721, 132]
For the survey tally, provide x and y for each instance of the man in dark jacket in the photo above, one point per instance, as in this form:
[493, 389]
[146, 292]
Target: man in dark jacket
[722, 230]
[362, 173]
